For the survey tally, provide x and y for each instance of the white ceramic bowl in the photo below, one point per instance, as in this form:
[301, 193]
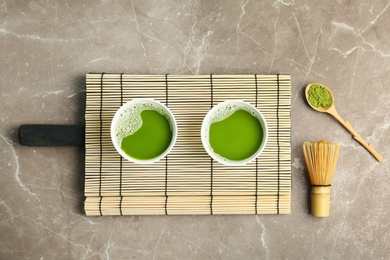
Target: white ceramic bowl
[128, 117]
[214, 115]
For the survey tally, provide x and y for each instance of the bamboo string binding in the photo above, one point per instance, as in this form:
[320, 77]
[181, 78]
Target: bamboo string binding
[321, 158]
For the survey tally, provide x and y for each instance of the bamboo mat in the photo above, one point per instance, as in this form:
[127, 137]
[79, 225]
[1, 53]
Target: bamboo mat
[187, 181]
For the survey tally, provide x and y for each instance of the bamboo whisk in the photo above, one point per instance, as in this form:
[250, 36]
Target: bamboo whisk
[321, 158]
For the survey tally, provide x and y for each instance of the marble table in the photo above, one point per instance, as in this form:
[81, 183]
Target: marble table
[47, 47]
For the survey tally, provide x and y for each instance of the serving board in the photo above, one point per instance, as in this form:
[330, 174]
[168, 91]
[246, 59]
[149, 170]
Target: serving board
[187, 181]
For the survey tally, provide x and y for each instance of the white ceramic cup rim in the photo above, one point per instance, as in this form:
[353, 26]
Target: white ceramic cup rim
[205, 127]
[115, 121]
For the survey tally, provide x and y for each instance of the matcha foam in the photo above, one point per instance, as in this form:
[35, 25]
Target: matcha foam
[129, 119]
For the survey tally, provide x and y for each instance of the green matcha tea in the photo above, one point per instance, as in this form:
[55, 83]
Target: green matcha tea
[151, 139]
[319, 96]
[236, 137]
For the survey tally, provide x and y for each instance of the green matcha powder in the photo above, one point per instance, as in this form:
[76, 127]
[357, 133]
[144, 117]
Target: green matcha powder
[318, 96]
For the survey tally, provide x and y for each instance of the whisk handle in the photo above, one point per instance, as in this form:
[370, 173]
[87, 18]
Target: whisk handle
[320, 201]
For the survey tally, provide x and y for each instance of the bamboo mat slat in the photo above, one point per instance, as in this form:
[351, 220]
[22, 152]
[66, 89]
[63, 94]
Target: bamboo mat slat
[187, 181]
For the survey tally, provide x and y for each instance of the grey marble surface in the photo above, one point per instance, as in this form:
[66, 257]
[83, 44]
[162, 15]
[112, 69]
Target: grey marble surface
[47, 47]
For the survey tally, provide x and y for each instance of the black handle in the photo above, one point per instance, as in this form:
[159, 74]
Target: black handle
[52, 135]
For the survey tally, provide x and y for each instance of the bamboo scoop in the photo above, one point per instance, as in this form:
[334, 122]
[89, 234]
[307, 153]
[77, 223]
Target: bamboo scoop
[332, 110]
